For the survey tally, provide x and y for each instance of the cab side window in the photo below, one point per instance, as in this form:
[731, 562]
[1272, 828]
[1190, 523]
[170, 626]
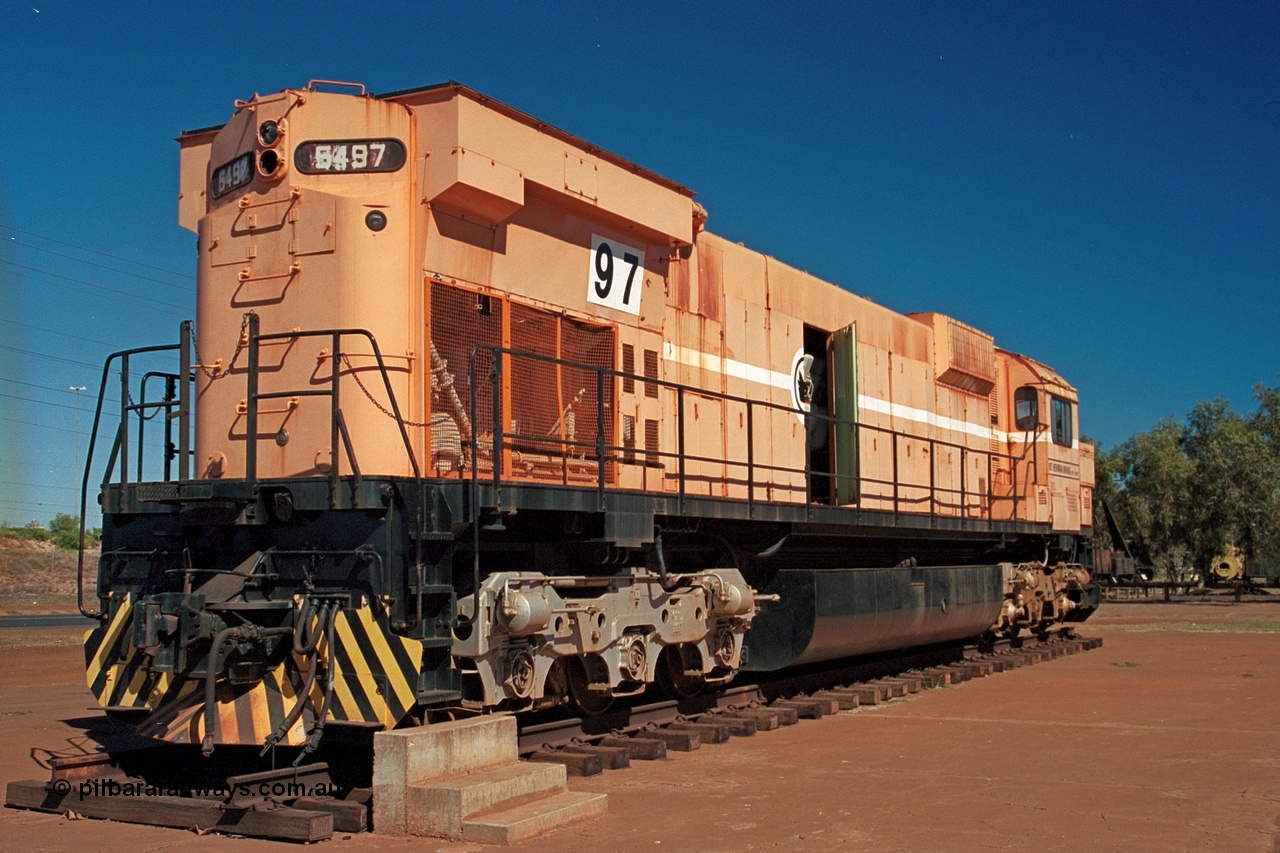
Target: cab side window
[1026, 410]
[1060, 420]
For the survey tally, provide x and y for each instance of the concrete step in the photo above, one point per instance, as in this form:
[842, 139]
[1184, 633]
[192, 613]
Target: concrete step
[439, 807]
[516, 823]
[408, 756]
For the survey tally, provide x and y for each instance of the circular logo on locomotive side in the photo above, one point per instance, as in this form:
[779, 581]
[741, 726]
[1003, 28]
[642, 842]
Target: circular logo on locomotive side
[801, 382]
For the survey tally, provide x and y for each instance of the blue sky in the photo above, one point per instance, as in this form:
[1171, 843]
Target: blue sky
[1095, 184]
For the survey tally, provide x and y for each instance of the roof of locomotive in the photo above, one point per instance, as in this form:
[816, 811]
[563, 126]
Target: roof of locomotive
[451, 88]
[423, 94]
[1047, 376]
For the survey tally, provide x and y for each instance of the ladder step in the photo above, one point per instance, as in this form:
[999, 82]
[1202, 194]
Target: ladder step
[433, 589]
[435, 697]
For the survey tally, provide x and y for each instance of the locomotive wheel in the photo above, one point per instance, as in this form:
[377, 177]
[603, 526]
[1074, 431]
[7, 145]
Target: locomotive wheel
[672, 678]
[589, 702]
[555, 691]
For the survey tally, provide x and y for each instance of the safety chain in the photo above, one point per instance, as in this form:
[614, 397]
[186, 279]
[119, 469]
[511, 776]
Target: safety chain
[241, 340]
[128, 396]
[240, 344]
[382, 408]
[141, 415]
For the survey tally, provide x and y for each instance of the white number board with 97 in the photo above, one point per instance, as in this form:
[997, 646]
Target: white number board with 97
[616, 277]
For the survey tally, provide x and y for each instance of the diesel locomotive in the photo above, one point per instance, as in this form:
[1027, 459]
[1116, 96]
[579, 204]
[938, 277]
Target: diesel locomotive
[477, 415]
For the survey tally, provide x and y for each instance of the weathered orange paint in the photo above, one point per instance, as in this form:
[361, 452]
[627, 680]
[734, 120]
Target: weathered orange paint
[489, 236]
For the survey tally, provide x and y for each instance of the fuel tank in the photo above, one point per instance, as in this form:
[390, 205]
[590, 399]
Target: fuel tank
[826, 614]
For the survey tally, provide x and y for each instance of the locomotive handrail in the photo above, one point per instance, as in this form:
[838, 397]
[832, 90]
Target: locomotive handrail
[337, 422]
[939, 496]
[311, 85]
[338, 427]
[168, 403]
[120, 448]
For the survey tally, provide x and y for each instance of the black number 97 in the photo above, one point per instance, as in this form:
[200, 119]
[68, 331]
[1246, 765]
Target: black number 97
[604, 271]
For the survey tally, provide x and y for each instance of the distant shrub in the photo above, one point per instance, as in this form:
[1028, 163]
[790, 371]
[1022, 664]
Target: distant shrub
[63, 532]
[66, 538]
[25, 533]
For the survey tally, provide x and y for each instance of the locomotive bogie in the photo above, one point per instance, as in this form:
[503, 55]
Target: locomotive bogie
[612, 630]
[1038, 596]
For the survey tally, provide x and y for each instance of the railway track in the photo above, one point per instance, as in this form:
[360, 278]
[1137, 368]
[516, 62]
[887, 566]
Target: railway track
[311, 802]
[647, 731]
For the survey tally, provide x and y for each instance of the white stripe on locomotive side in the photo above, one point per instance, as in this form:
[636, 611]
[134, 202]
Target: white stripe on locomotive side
[727, 366]
[776, 379]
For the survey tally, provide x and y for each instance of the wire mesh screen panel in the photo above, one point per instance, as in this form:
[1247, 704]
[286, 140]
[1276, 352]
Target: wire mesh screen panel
[543, 419]
[460, 321]
[538, 423]
[588, 388]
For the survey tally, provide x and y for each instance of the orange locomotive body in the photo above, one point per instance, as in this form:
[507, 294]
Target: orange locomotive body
[502, 232]
[483, 414]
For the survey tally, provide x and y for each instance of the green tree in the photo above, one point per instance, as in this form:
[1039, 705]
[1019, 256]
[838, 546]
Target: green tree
[64, 530]
[1266, 422]
[1185, 492]
[1234, 476]
[1149, 483]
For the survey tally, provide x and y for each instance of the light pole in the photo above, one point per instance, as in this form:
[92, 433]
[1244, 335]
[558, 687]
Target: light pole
[77, 389]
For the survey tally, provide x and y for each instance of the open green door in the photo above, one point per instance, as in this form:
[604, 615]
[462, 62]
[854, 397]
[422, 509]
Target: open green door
[844, 391]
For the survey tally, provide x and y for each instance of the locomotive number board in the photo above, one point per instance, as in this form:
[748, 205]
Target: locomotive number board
[231, 176]
[616, 276]
[349, 156]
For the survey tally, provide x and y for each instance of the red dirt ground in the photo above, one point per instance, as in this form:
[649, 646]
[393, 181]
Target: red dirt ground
[1167, 738]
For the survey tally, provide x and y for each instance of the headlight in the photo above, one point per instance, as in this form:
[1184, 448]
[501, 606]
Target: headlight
[268, 133]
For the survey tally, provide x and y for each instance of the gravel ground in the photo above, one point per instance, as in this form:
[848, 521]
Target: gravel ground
[1166, 738]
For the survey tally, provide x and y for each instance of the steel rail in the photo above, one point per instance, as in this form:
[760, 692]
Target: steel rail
[569, 731]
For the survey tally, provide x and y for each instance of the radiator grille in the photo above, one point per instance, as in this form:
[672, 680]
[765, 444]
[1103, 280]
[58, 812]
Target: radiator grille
[552, 411]
[972, 352]
[651, 372]
[628, 366]
[592, 345]
[537, 399]
[650, 442]
[460, 320]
